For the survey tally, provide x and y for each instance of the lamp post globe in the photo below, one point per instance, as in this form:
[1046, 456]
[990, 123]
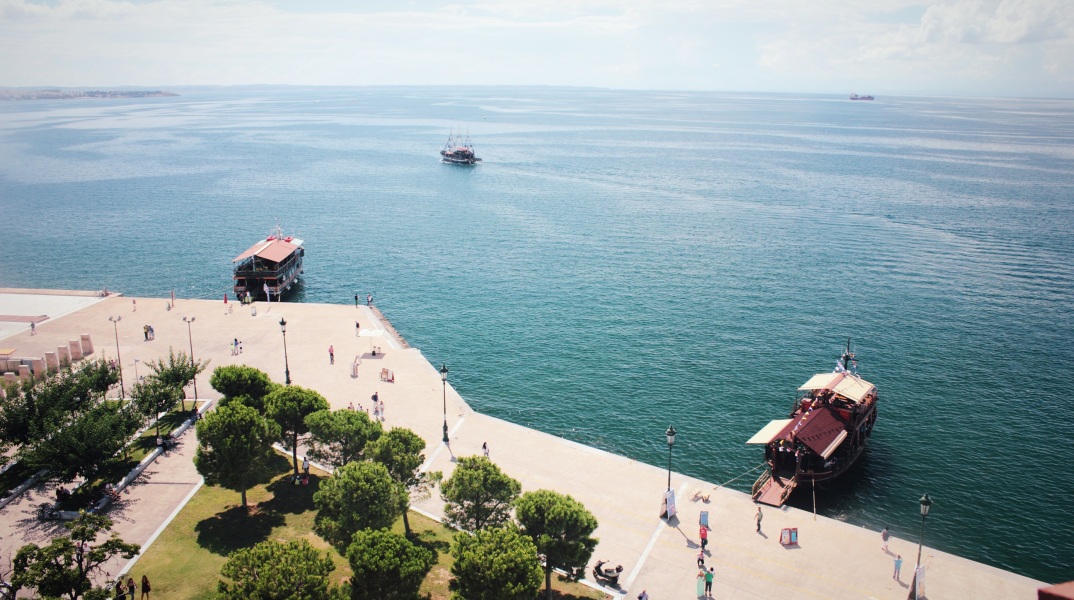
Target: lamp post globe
[443, 380]
[670, 433]
[286, 366]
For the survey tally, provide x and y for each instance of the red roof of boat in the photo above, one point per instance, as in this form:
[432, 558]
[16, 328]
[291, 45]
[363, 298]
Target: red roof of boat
[272, 249]
[817, 429]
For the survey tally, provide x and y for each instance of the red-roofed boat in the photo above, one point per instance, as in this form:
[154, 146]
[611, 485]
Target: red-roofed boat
[459, 151]
[269, 268]
[825, 435]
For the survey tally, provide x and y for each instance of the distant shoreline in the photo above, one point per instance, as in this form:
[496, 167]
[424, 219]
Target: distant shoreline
[61, 94]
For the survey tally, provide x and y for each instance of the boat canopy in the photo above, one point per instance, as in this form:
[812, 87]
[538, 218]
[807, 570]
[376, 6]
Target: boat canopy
[768, 432]
[274, 250]
[818, 429]
[846, 385]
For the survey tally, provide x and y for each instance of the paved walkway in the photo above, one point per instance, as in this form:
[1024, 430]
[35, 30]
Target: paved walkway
[833, 560]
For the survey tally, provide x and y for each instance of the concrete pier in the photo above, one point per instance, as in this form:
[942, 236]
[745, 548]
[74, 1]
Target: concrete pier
[831, 560]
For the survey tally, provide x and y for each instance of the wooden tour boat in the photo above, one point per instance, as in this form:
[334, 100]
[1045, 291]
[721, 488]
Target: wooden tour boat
[271, 267]
[826, 433]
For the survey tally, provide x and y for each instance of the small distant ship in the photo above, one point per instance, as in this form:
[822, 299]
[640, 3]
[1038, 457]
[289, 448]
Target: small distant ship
[459, 151]
[269, 268]
[857, 97]
[826, 433]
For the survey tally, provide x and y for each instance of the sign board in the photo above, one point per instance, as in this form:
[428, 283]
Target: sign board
[789, 536]
[705, 519]
[667, 505]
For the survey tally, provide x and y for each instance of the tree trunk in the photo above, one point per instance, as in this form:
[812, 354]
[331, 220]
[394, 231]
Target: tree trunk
[244, 500]
[406, 522]
[547, 579]
[294, 452]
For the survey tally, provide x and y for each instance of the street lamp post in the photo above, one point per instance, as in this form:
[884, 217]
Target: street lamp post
[671, 442]
[190, 337]
[137, 379]
[286, 367]
[443, 379]
[119, 359]
[926, 503]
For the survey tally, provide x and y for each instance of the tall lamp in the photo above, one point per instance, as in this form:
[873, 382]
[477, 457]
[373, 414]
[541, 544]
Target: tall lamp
[671, 442]
[286, 367]
[926, 504]
[443, 379]
[119, 359]
[190, 337]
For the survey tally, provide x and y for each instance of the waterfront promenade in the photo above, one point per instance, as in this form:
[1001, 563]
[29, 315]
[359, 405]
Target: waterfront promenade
[833, 560]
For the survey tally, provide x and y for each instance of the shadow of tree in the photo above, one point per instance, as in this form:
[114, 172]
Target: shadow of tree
[428, 540]
[235, 528]
[288, 498]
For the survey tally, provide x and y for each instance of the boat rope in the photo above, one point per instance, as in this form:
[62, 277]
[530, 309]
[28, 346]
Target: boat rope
[724, 484]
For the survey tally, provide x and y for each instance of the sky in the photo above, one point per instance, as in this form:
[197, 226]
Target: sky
[1008, 48]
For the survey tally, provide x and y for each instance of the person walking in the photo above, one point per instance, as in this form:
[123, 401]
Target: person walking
[33, 328]
[331, 355]
[885, 535]
[758, 517]
[134, 303]
[357, 328]
[145, 588]
[701, 561]
[704, 533]
[485, 448]
[898, 567]
[375, 397]
[305, 466]
[131, 588]
[643, 595]
[709, 576]
[701, 581]
[369, 299]
[356, 301]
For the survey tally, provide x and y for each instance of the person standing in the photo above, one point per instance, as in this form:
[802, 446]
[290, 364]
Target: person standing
[131, 588]
[145, 588]
[485, 448]
[709, 576]
[305, 466]
[700, 562]
[643, 595]
[376, 397]
[704, 533]
[701, 581]
[357, 328]
[758, 518]
[898, 567]
[134, 303]
[331, 355]
[885, 535]
[33, 328]
[145, 332]
[369, 299]
[356, 301]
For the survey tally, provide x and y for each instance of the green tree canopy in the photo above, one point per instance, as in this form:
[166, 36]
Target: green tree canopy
[64, 568]
[358, 496]
[387, 566]
[176, 371]
[339, 437]
[235, 448]
[152, 397]
[562, 529]
[88, 444]
[495, 563]
[400, 451]
[288, 406]
[242, 383]
[34, 410]
[478, 494]
[273, 570]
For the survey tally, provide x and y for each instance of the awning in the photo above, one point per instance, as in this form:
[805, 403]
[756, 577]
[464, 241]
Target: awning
[252, 250]
[854, 387]
[276, 251]
[835, 444]
[768, 432]
[819, 429]
[822, 381]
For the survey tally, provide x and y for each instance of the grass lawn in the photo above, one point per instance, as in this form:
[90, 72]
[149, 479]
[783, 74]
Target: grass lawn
[185, 561]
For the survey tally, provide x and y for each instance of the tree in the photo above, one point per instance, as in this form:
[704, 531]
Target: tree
[289, 406]
[91, 442]
[244, 384]
[64, 568]
[495, 563]
[273, 570]
[339, 437]
[176, 371]
[387, 566]
[358, 496]
[235, 448]
[152, 397]
[36, 409]
[478, 494]
[400, 451]
[562, 528]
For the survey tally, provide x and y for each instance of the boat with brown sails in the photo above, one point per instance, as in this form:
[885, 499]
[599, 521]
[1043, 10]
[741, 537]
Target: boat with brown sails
[827, 431]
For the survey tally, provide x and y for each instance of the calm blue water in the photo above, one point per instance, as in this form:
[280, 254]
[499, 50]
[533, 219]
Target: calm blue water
[622, 261]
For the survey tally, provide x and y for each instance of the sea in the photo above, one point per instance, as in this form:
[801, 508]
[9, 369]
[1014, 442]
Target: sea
[624, 261]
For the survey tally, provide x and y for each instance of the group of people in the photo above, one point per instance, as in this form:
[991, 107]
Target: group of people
[147, 330]
[130, 589]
